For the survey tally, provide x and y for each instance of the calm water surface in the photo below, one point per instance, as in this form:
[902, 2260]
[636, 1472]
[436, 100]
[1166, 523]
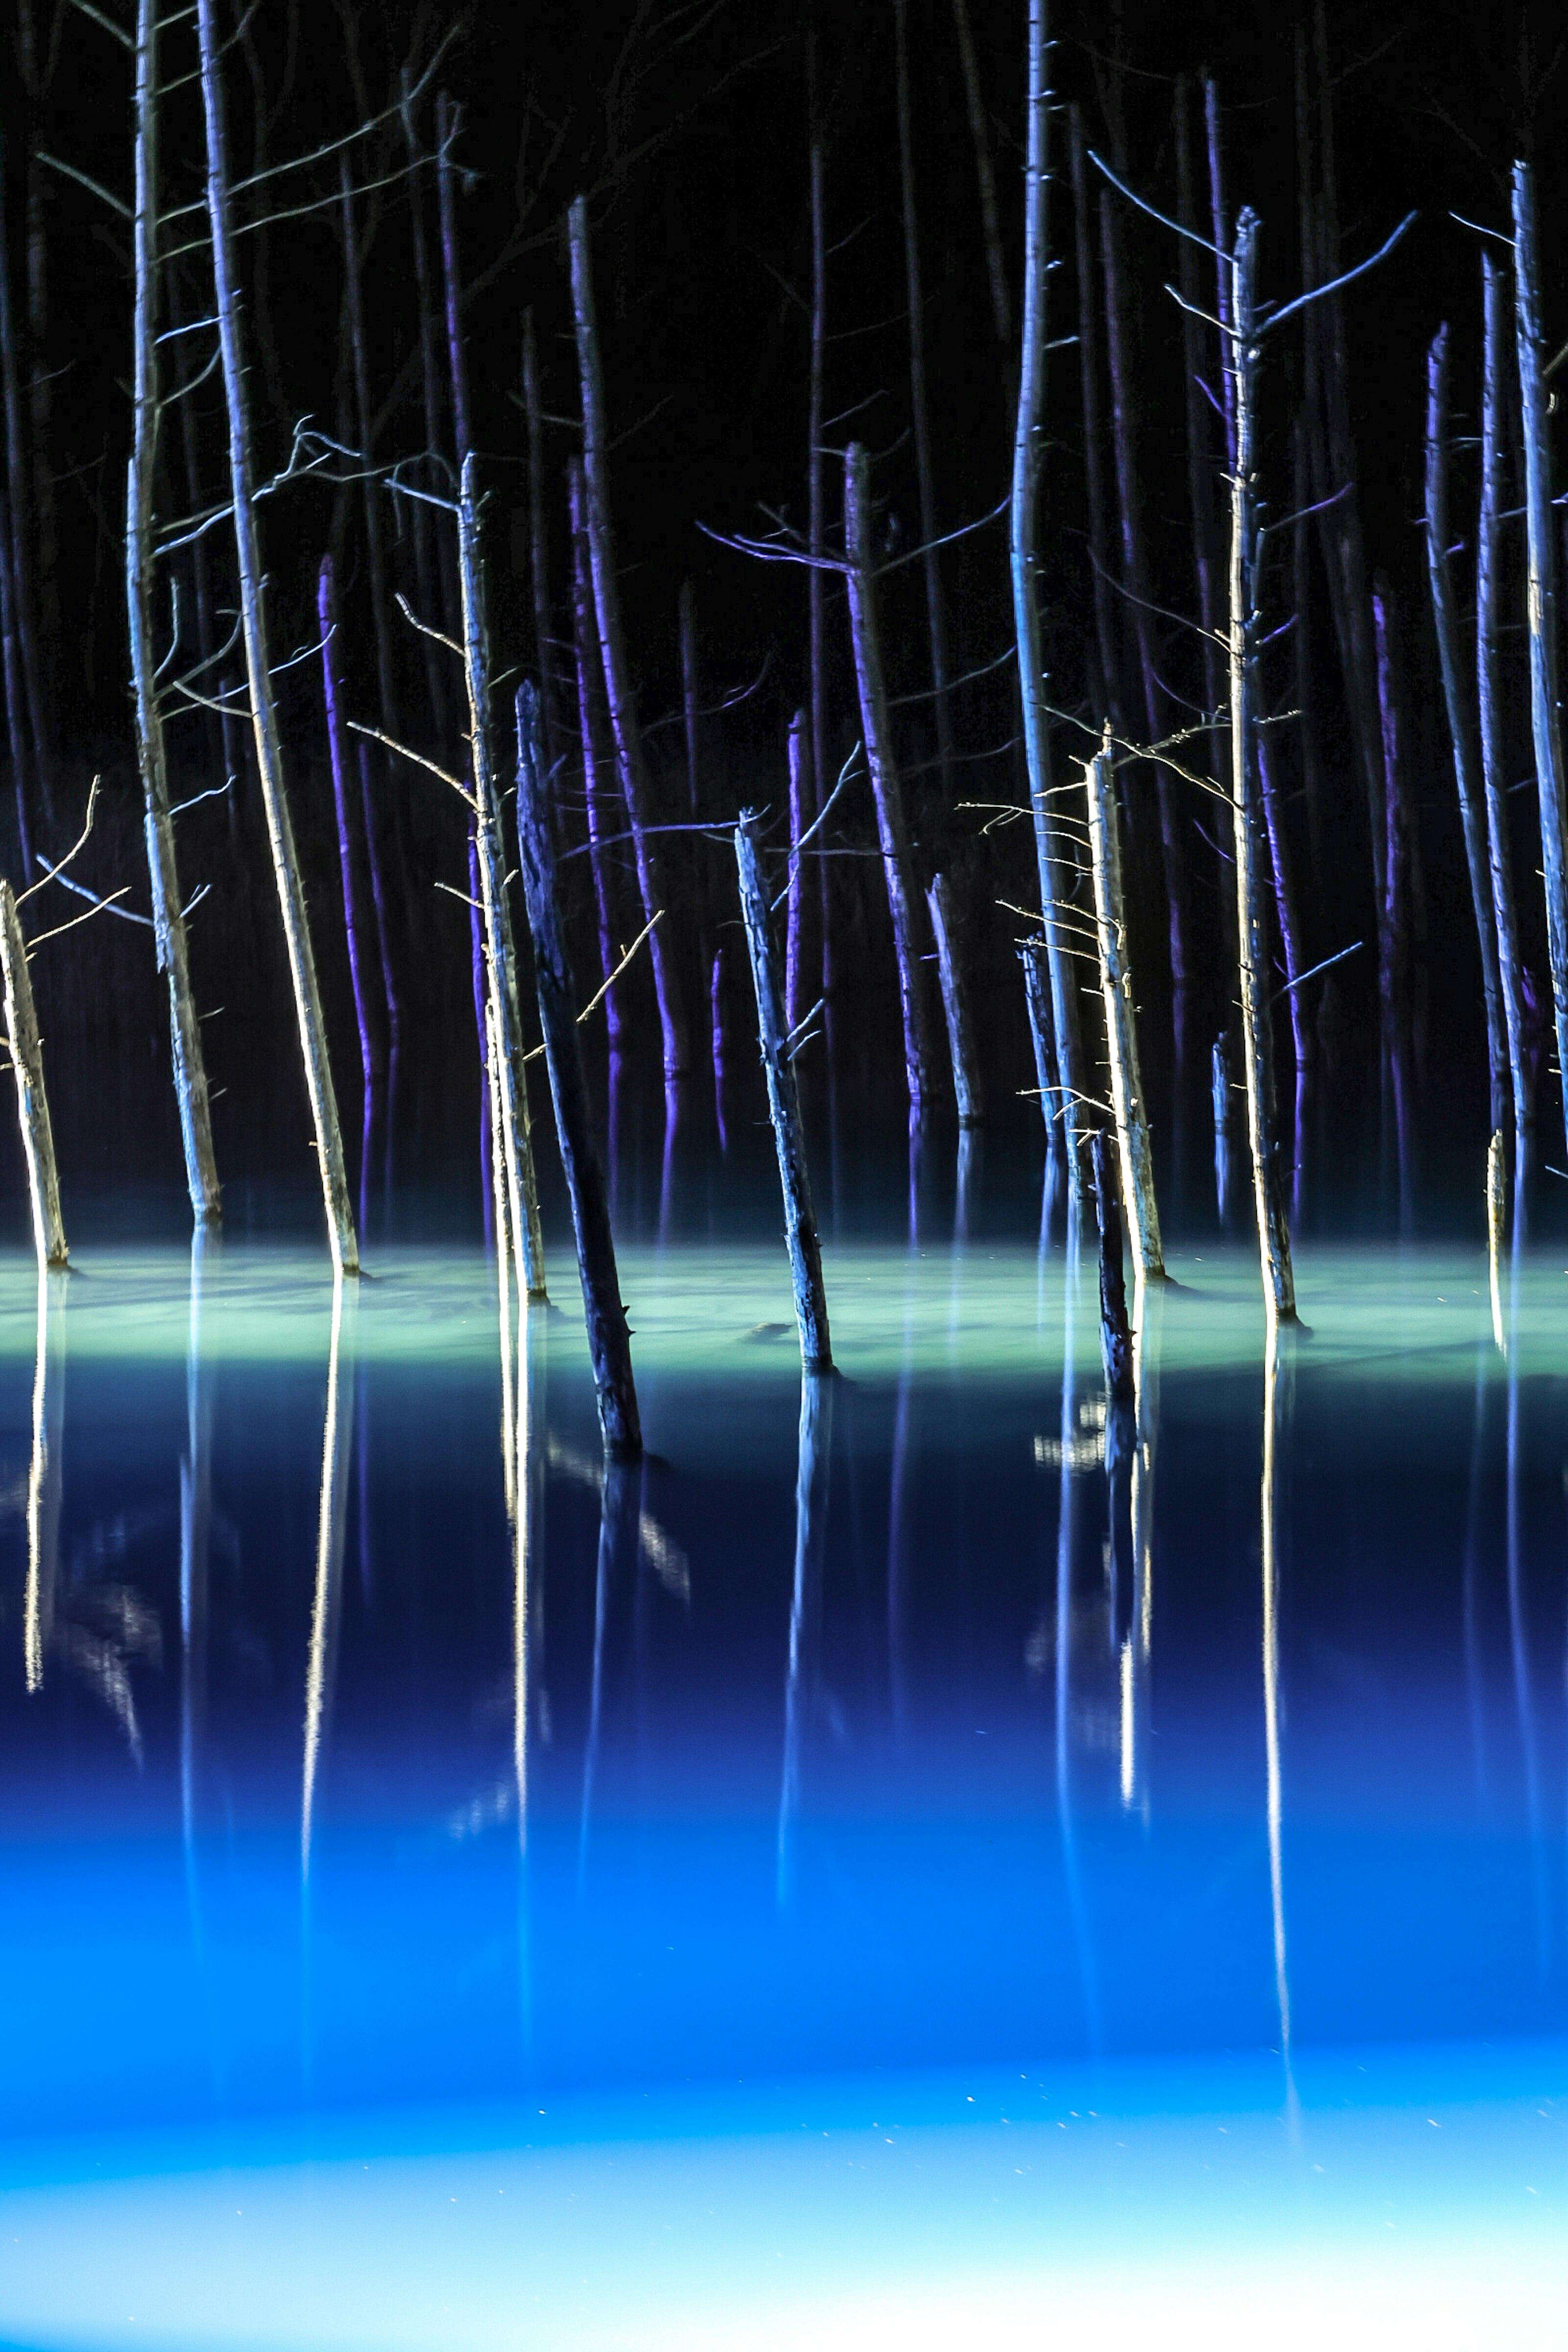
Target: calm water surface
[871, 1873]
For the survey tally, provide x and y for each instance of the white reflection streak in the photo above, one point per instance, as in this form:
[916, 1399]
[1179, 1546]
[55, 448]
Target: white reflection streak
[195, 1519]
[509, 1423]
[1271, 1680]
[810, 1511]
[526, 1517]
[335, 1450]
[43, 1490]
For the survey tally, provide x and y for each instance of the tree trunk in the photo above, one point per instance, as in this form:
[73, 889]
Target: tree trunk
[1488, 555]
[1545, 723]
[522, 1190]
[1461, 730]
[32, 1102]
[22, 587]
[1136, 579]
[539, 548]
[1273, 1228]
[800, 801]
[376, 553]
[596, 756]
[1107, 637]
[371, 1058]
[968, 1085]
[609, 1340]
[427, 567]
[995, 269]
[612, 639]
[1052, 857]
[815, 578]
[264, 710]
[1127, 1094]
[919, 410]
[876, 731]
[784, 1107]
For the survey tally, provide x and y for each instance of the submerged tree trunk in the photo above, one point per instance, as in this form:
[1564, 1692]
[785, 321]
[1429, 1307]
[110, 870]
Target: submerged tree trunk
[920, 411]
[800, 800]
[168, 918]
[1545, 718]
[522, 1190]
[968, 1087]
[32, 1102]
[612, 640]
[1273, 1229]
[1489, 553]
[1052, 858]
[783, 1105]
[1461, 730]
[264, 710]
[1121, 1020]
[877, 731]
[609, 1339]
[596, 756]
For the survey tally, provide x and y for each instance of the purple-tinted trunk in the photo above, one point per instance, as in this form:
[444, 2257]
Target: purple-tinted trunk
[337, 747]
[800, 800]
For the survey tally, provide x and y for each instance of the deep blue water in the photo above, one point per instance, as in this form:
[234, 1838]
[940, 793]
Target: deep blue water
[341, 1808]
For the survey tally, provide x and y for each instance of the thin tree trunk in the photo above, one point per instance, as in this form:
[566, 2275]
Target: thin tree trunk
[522, 1188]
[920, 409]
[32, 1102]
[612, 639]
[1135, 576]
[457, 356]
[376, 551]
[370, 1060]
[1200, 451]
[597, 759]
[15, 695]
[1286, 906]
[968, 1085]
[426, 568]
[877, 732]
[378, 894]
[264, 711]
[1115, 1332]
[1127, 1094]
[1488, 566]
[23, 588]
[687, 617]
[1395, 974]
[168, 919]
[1106, 636]
[815, 577]
[1461, 730]
[996, 270]
[1301, 497]
[539, 548]
[1542, 600]
[801, 797]
[1273, 1228]
[609, 1340]
[783, 1105]
[1052, 857]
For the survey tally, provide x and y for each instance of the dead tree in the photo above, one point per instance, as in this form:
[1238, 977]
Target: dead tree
[817, 577]
[501, 951]
[613, 645]
[1052, 855]
[1488, 701]
[1127, 1099]
[1457, 705]
[995, 269]
[168, 915]
[597, 757]
[875, 727]
[263, 704]
[919, 410]
[1542, 600]
[539, 545]
[32, 1101]
[609, 1338]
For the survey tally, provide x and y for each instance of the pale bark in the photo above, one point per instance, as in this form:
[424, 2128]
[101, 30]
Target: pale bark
[784, 1107]
[264, 711]
[32, 1102]
[168, 919]
[501, 951]
[1273, 1228]
[624, 718]
[1489, 553]
[1052, 857]
[1127, 1095]
[876, 728]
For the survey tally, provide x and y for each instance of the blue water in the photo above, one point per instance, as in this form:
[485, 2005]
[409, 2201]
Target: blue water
[1010, 1884]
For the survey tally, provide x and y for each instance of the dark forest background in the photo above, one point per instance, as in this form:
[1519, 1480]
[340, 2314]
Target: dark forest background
[687, 127]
